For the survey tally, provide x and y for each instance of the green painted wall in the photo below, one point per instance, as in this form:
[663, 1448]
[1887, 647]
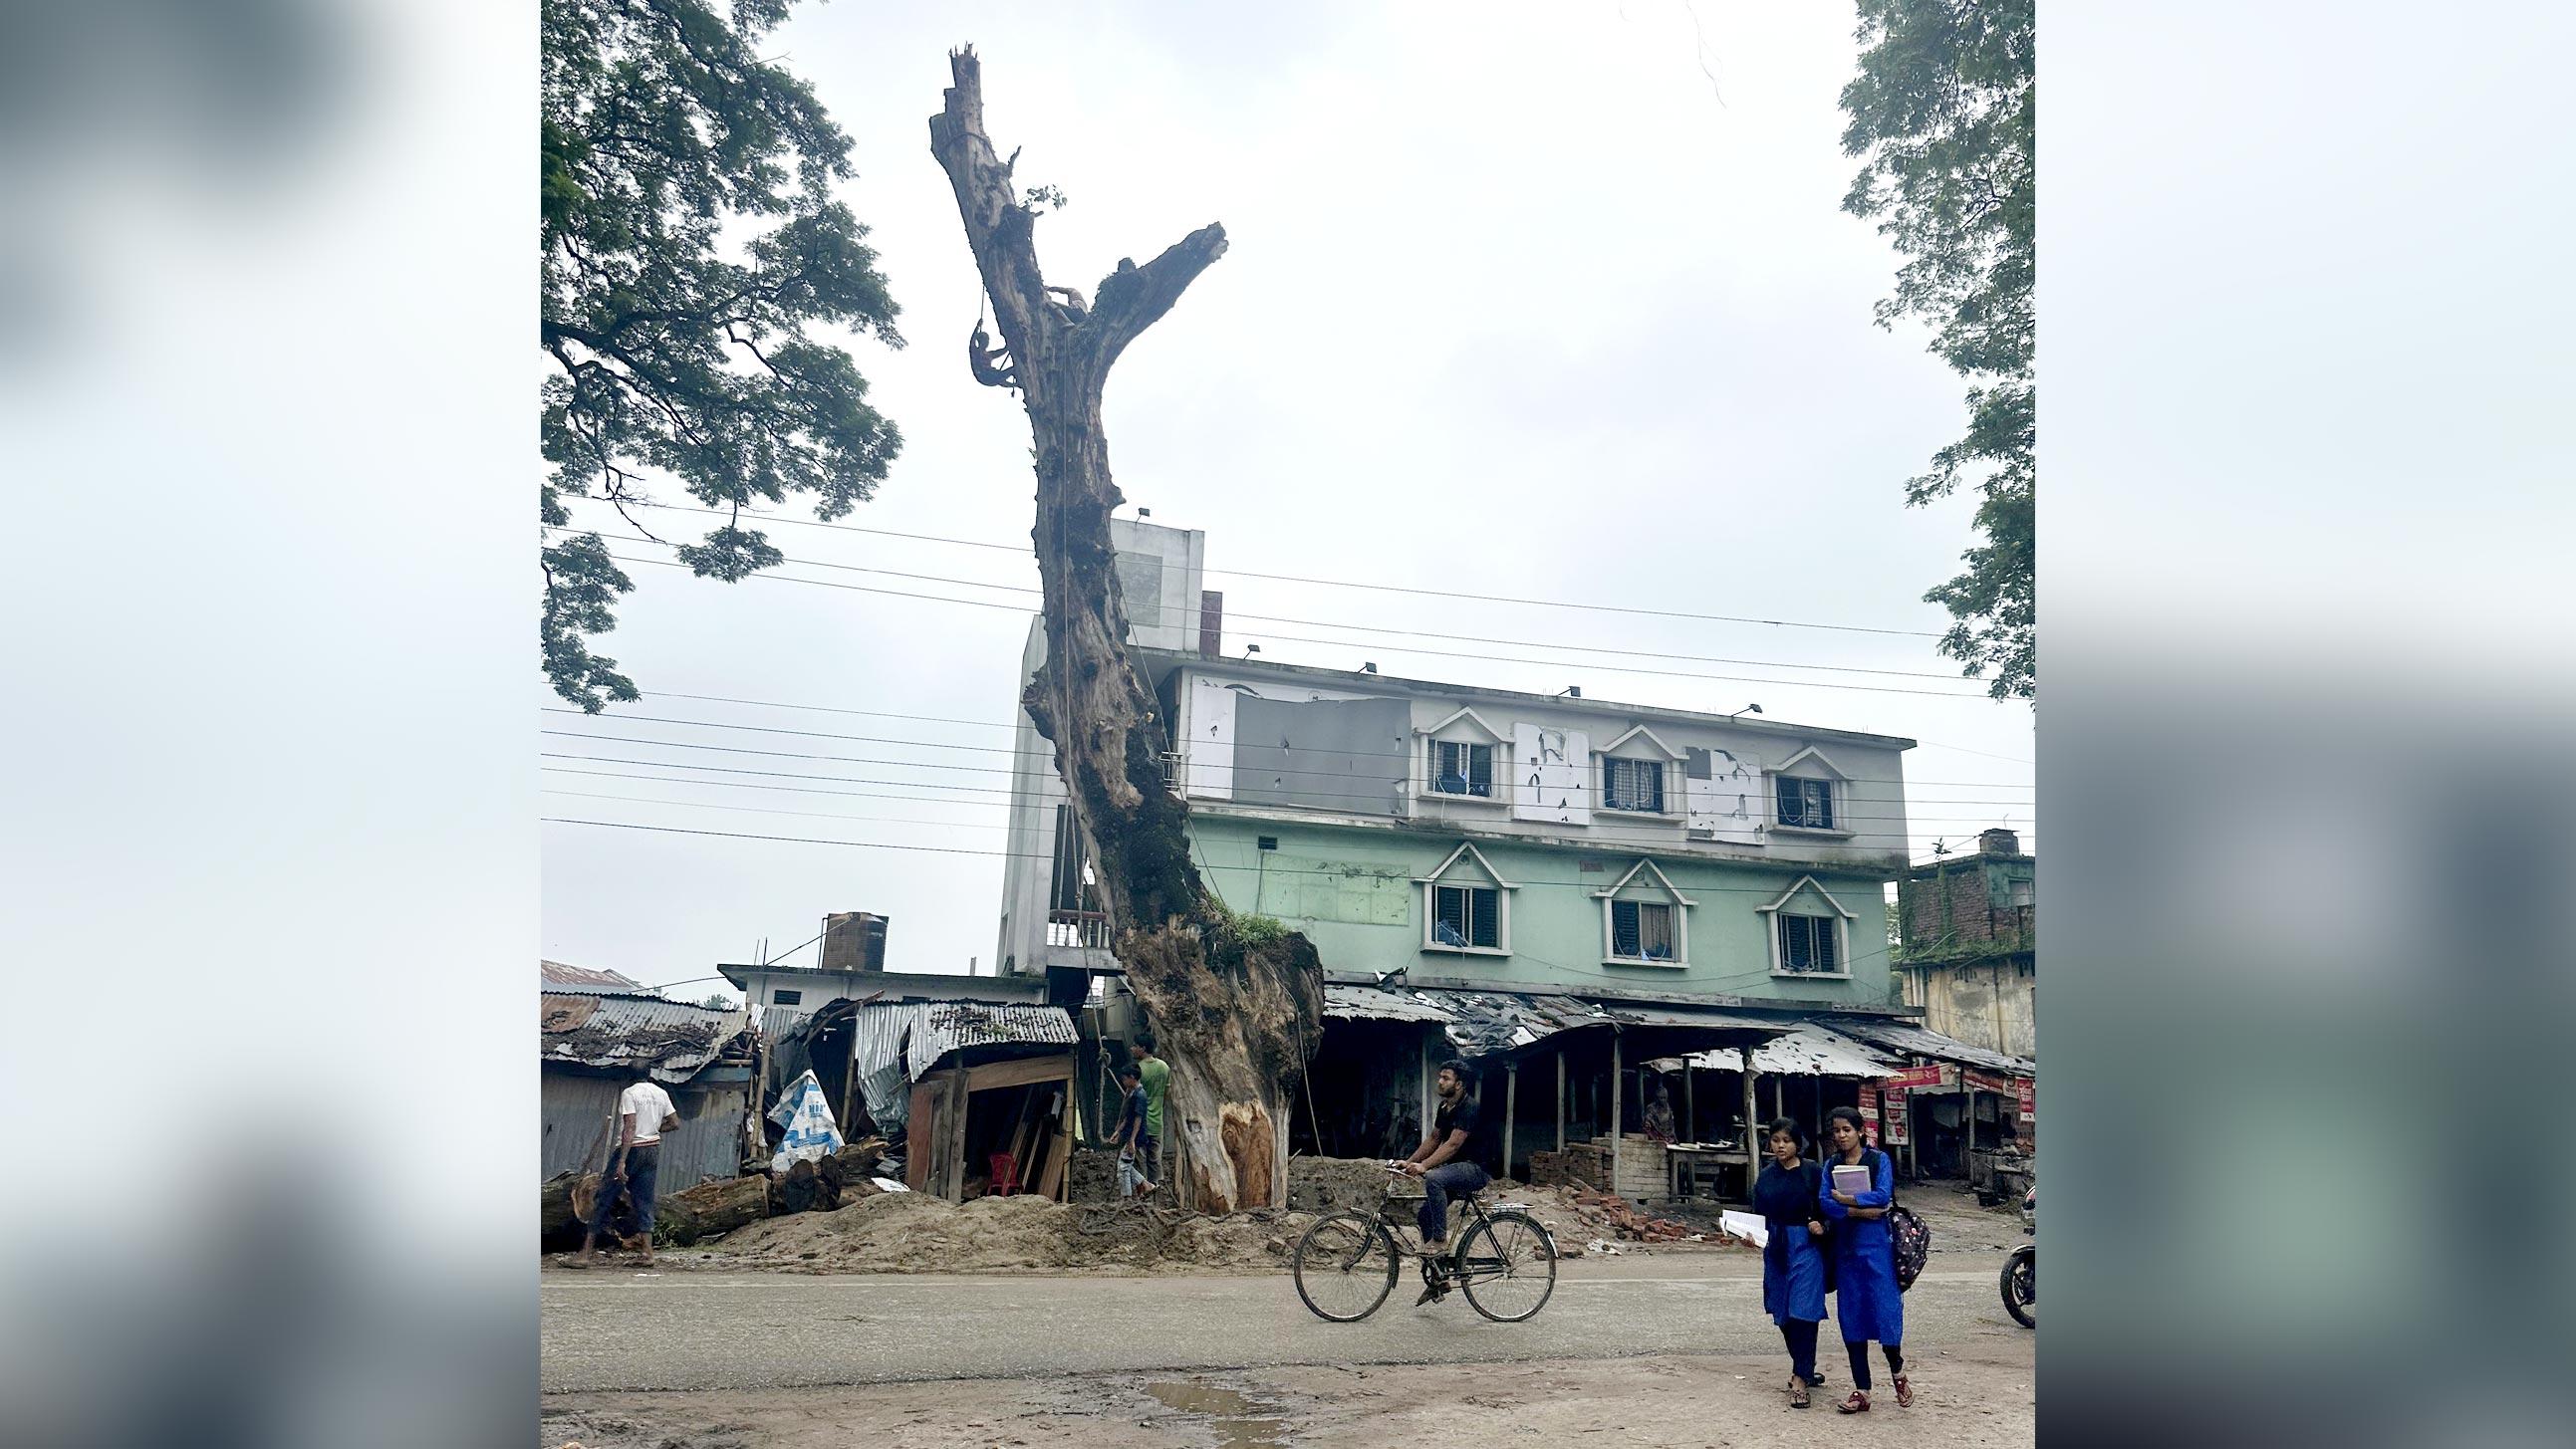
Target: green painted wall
[1351, 891]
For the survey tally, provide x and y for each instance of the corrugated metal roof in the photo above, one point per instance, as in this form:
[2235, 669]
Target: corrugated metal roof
[1479, 1022]
[669, 1039]
[1922, 1042]
[1808, 1050]
[897, 1043]
[946, 1026]
[1371, 1003]
[562, 976]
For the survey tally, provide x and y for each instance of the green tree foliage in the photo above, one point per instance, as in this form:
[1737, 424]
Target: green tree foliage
[1941, 116]
[691, 249]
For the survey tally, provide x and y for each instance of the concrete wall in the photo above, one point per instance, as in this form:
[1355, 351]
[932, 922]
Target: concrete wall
[1990, 1004]
[1352, 890]
[1161, 572]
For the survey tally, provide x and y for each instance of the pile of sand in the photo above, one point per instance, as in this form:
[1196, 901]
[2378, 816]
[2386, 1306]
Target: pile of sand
[917, 1233]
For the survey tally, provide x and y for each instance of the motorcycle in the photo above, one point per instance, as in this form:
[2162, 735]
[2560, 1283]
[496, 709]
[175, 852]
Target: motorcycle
[2021, 1267]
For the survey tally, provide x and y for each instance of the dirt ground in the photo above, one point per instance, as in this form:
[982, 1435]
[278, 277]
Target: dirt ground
[915, 1233]
[1979, 1394]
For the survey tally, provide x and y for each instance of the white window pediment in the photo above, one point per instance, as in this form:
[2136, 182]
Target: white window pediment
[1643, 744]
[1466, 724]
[1810, 761]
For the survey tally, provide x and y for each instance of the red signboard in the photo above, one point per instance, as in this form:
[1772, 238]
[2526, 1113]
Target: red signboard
[1900, 1124]
[1869, 1113]
[1988, 1082]
[1935, 1075]
[2029, 1095]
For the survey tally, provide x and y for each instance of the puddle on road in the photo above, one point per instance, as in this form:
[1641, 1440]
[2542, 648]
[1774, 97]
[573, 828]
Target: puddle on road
[1238, 1421]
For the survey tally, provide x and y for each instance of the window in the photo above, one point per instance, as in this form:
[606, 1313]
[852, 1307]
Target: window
[1641, 930]
[1633, 785]
[1462, 768]
[784, 997]
[1805, 804]
[1808, 945]
[1465, 916]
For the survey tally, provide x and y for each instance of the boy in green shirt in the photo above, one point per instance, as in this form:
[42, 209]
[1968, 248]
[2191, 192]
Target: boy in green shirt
[1156, 1075]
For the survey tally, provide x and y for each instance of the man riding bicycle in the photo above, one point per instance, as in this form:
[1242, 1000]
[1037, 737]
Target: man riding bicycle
[1446, 1171]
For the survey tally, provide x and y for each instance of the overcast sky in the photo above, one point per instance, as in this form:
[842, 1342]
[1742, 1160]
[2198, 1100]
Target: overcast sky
[1552, 302]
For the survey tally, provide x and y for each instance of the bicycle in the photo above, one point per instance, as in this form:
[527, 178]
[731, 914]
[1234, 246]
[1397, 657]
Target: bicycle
[1506, 1260]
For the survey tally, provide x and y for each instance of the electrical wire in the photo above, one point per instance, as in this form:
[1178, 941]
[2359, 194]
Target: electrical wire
[1023, 550]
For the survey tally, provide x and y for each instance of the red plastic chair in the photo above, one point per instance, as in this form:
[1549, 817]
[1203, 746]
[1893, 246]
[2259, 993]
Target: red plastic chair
[1006, 1180]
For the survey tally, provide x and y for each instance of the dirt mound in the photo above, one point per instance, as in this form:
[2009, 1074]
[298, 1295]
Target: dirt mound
[1321, 1185]
[915, 1233]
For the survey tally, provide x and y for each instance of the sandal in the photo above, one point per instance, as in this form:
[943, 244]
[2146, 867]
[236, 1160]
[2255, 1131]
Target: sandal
[1797, 1392]
[1904, 1393]
[1858, 1403]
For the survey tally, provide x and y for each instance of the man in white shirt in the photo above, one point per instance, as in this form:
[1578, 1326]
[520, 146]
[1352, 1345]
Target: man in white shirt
[644, 1113]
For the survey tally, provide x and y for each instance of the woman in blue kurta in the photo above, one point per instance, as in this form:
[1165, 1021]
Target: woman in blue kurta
[1866, 1300]
[1793, 1263]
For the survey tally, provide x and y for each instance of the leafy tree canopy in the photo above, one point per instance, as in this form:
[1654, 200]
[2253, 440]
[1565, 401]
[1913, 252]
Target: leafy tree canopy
[691, 249]
[1941, 117]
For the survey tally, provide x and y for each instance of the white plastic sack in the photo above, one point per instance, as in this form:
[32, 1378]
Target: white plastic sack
[811, 1132]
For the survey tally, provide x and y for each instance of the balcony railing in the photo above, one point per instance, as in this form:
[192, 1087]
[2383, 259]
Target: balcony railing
[1083, 930]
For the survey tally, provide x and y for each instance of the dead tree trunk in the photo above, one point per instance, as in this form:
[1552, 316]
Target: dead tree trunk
[1234, 1007]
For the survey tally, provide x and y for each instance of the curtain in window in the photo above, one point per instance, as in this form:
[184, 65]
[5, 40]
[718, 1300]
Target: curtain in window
[1633, 784]
[1641, 930]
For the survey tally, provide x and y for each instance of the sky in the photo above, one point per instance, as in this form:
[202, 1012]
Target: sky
[1550, 302]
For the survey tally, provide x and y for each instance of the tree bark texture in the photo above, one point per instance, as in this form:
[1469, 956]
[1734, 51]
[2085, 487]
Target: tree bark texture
[1234, 1011]
[719, 1206]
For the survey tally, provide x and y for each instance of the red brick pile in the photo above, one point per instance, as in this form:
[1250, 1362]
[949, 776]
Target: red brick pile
[1621, 1219]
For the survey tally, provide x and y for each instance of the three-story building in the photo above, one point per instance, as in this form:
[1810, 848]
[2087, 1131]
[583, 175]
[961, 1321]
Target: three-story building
[1473, 845]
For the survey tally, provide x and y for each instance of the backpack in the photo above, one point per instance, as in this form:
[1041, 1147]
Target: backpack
[1912, 1241]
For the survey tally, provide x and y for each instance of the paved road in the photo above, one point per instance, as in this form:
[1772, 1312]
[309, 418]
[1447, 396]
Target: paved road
[698, 1330]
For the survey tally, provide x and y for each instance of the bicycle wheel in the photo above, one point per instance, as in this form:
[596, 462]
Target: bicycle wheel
[1345, 1266]
[1508, 1267]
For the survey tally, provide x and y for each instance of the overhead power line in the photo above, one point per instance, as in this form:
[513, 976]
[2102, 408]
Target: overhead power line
[1381, 647]
[1187, 614]
[1024, 551]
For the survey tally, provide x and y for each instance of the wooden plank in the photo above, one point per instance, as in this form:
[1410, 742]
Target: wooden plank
[1052, 1180]
[1020, 1073]
[922, 1131]
[953, 1139]
[1560, 1099]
